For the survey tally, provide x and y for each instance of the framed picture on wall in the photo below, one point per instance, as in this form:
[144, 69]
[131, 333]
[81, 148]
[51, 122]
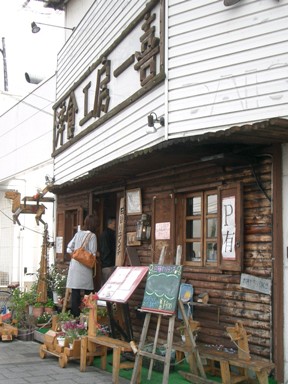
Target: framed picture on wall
[133, 202]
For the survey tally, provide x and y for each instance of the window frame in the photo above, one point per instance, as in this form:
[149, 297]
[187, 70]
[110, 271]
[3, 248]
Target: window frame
[202, 263]
[220, 263]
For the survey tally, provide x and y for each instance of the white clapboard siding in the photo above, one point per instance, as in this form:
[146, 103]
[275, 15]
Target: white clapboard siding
[227, 65]
[102, 25]
[117, 137]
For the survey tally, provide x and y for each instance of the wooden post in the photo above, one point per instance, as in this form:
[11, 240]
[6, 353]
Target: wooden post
[42, 282]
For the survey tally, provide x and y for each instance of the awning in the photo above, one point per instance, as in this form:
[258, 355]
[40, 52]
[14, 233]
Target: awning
[237, 143]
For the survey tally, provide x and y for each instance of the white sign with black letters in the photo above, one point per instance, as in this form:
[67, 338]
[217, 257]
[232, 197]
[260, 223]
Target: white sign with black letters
[228, 228]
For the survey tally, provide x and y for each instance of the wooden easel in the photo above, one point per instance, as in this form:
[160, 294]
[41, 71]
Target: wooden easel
[194, 358]
[195, 363]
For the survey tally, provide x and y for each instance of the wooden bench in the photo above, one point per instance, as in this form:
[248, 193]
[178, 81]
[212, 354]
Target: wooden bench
[118, 346]
[227, 360]
[260, 367]
[242, 359]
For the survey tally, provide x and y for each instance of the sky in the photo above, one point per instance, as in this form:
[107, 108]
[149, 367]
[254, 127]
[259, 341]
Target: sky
[35, 54]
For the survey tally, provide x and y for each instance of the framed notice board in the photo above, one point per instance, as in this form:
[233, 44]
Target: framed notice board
[122, 283]
[162, 289]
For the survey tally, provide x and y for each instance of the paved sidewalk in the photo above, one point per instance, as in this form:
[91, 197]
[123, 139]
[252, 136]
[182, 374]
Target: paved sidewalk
[20, 363]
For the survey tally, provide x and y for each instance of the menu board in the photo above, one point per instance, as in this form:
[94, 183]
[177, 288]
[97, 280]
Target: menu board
[162, 288]
[122, 283]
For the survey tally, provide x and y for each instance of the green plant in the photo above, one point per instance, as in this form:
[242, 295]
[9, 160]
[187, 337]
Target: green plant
[101, 311]
[44, 319]
[38, 304]
[56, 280]
[31, 295]
[65, 316]
[49, 303]
[19, 307]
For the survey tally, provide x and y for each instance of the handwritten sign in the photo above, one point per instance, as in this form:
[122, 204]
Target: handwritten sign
[228, 228]
[120, 236]
[162, 288]
[162, 231]
[256, 283]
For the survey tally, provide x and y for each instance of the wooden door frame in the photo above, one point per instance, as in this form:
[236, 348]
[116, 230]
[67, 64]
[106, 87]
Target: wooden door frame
[277, 269]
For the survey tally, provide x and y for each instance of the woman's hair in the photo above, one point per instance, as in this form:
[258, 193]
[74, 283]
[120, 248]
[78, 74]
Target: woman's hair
[90, 223]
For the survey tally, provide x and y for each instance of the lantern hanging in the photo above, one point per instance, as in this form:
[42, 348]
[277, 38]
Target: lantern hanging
[143, 228]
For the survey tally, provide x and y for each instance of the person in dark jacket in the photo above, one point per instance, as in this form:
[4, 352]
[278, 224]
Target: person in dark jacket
[107, 249]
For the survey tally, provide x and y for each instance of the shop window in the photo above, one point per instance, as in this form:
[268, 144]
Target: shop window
[212, 228]
[201, 228]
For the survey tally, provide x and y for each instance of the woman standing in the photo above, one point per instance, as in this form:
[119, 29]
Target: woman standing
[79, 276]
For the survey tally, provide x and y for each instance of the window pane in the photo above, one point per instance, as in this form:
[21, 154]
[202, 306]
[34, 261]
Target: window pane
[193, 251]
[211, 252]
[193, 206]
[193, 229]
[211, 227]
[212, 204]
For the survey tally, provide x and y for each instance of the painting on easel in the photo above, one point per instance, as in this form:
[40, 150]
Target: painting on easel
[162, 289]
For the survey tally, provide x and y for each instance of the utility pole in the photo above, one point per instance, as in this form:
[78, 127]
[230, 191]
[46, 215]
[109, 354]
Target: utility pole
[3, 51]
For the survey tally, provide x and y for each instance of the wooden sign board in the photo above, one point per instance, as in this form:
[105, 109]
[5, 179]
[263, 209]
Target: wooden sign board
[255, 283]
[120, 234]
[122, 283]
[162, 289]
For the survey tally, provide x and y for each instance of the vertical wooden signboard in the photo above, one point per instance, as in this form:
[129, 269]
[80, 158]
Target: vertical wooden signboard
[120, 237]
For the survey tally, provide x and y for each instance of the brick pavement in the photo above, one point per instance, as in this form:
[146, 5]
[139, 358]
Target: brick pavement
[20, 363]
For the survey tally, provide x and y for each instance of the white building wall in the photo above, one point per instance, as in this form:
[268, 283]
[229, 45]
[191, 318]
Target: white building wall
[100, 146]
[227, 65]
[25, 159]
[26, 131]
[94, 34]
[77, 10]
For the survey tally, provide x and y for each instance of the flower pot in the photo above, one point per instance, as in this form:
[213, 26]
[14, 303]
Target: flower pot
[25, 334]
[38, 311]
[61, 341]
[55, 297]
[49, 310]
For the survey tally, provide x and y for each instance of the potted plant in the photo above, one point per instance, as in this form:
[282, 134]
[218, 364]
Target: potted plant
[44, 320]
[38, 309]
[49, 306]
[24, 321]
[56, 281]
[73, 331]
[63, 317]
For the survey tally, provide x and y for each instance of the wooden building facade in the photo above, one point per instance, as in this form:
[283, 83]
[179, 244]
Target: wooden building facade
[208, 171]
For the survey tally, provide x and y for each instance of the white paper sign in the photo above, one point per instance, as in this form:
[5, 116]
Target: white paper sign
[228, 228]
[59, 244]
[162, 231]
